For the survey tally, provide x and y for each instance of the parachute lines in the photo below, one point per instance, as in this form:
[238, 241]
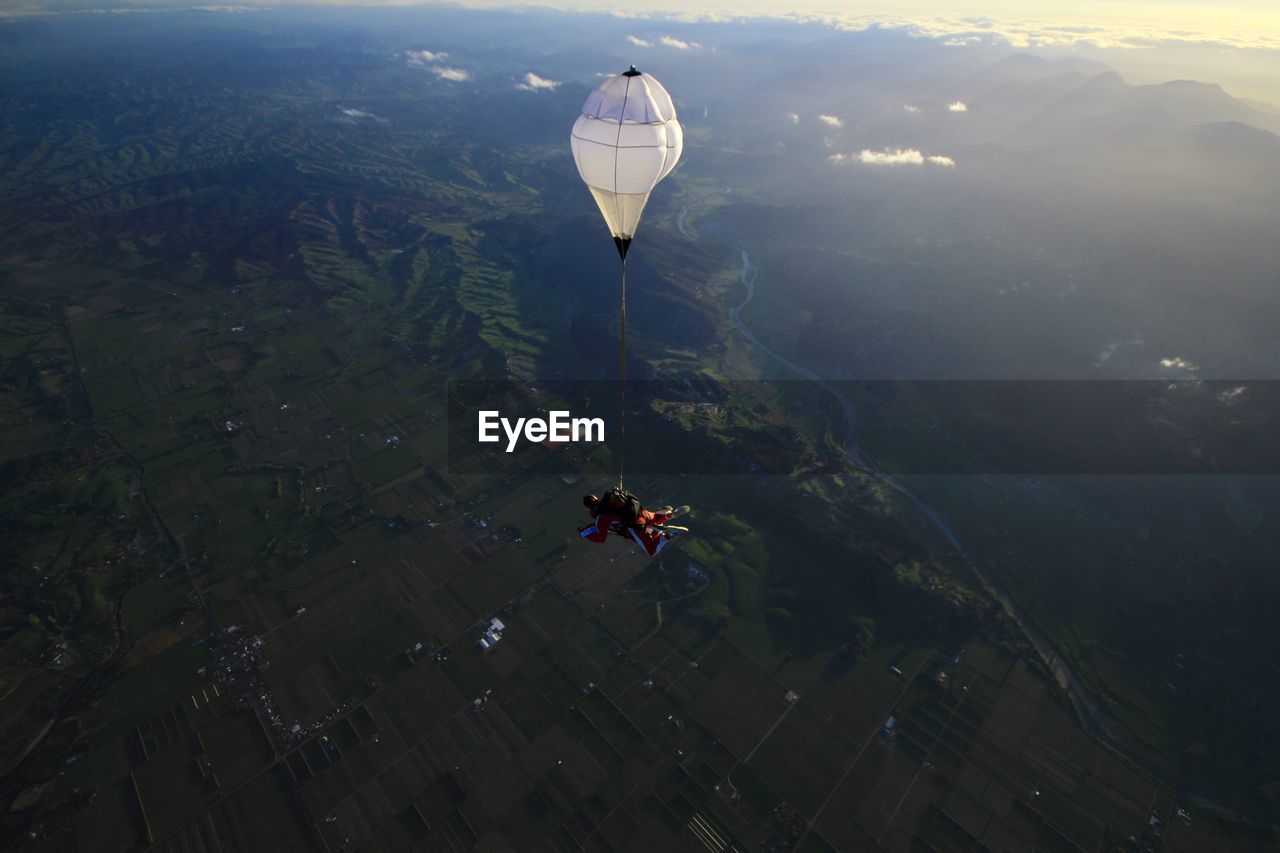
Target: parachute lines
[623, 146]
[622, 367]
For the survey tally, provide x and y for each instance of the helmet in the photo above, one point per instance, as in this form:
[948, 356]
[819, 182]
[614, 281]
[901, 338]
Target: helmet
[590, 501]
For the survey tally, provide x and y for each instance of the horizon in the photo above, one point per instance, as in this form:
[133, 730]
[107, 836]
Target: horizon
[1236, 46]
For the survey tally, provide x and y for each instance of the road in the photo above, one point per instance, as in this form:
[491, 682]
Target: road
[857, 756]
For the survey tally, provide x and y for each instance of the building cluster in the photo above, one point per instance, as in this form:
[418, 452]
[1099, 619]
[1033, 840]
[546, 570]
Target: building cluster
[240, 661]
[790, 825]
[492, 634]
[481, 702]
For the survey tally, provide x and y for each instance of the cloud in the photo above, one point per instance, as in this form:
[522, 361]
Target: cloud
[456, 75]
[1104, 354]
[893, 157]
[794, 118]
[639, 42]
[1232, 396]
[833, 121]
[533, 83]
[353, 116]
[911, 108]
[958, 107]
[425, 58]
[422, 57]
[679, 44]
[1179, 363]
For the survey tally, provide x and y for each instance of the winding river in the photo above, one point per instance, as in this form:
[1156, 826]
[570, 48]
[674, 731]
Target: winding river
[1085, 706]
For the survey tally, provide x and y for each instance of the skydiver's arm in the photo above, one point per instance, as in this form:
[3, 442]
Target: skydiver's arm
[597, 531]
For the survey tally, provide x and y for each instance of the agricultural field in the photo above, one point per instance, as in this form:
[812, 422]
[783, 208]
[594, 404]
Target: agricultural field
[245, 589]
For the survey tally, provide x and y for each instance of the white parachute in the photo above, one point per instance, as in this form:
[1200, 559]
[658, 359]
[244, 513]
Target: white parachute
[626, 140]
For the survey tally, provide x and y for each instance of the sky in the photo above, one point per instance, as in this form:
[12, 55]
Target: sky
[1239, 23]
[1234, 43]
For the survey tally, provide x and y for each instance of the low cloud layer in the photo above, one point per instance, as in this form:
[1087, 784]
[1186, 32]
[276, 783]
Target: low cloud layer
[958, 107]
[830, 120]
[534, 83]
[639, 42]
[1173, 25]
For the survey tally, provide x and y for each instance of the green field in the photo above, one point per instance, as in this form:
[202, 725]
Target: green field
[244, 588]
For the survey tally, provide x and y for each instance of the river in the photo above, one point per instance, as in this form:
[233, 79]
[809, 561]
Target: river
[1085, 706]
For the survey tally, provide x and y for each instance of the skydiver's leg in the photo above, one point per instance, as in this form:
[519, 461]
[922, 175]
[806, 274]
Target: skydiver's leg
[664, 514]
[659, 516]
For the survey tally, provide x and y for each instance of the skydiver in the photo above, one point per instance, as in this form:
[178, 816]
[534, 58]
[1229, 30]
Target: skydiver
[620, 513]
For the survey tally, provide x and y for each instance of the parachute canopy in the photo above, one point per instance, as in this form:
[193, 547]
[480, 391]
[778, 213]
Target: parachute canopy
[626, 140]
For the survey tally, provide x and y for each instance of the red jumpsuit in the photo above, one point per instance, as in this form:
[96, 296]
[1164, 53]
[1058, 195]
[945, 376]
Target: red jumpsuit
[644, 532]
